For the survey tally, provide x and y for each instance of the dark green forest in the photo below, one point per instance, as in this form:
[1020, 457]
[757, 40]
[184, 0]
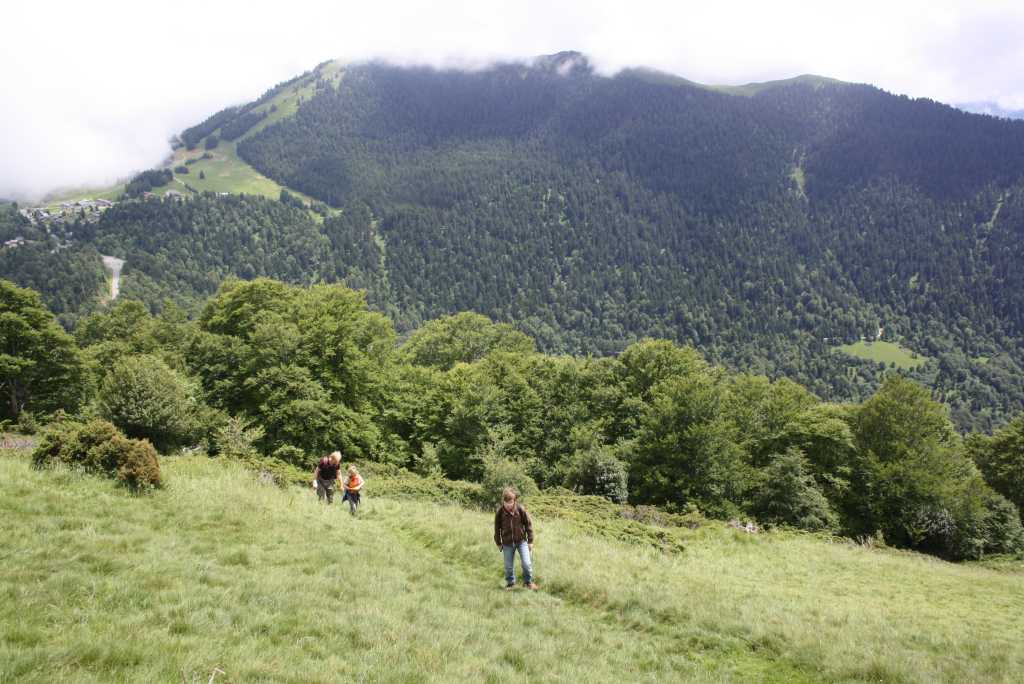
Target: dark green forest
[591, 212]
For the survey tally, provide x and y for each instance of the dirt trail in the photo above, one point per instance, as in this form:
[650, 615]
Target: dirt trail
[113, 264]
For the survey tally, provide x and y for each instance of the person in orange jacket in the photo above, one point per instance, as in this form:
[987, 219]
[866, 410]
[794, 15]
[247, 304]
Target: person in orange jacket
[353, 483]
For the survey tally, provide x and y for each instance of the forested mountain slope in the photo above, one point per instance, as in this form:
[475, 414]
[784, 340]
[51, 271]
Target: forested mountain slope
[765, 224]
[764, 229]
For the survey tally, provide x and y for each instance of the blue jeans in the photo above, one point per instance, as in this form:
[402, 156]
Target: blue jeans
[524, 558]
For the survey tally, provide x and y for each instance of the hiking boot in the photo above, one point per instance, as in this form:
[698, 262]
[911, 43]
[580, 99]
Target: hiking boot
[509, 587]
[533, 586]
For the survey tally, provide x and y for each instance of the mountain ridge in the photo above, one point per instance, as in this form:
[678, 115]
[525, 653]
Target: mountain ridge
[773, 230]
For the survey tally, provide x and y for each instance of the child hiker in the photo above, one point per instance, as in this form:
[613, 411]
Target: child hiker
[353, 483]
[513, 531]
[325, 476]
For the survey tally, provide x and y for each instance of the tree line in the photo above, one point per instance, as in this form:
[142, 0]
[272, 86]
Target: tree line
[292, 372]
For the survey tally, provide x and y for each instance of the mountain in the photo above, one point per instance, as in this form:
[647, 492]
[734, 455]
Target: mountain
[824, 231]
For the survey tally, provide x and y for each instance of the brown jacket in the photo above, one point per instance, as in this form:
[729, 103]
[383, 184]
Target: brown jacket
[510, 529]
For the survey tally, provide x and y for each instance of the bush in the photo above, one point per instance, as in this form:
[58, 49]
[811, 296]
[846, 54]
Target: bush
[99, 447]
[597, 471]
[500, 472]
[137, 463]
[148, 399]
[27, 423]
[181, 169]
[390, 481]
[292, 455]
[1002, 527]
[788, 495]
[236, 440]
[428, 463]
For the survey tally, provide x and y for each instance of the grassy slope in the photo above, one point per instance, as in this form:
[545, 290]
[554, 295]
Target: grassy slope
[226, 172]
[217, 571]
[883, 352]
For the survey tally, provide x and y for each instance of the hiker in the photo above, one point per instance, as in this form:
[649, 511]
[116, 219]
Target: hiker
[513, 531]
[325, 476]
[353, 483]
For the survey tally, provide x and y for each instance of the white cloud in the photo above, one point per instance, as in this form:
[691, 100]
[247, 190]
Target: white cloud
[92, 91]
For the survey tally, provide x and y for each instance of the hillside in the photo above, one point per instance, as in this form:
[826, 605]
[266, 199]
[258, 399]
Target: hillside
[220, 575]
[768, 225]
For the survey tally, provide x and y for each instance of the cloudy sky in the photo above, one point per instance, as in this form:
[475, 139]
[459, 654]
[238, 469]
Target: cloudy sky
[92, 91]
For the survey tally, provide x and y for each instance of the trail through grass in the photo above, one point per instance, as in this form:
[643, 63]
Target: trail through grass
[220, 572]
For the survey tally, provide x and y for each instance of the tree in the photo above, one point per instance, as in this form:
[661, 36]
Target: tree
[1001, 459]
[463, 337]
[598, 471]
[788, 495]
[147, 399]
[40, 367]
[921, 489]
[686, 449]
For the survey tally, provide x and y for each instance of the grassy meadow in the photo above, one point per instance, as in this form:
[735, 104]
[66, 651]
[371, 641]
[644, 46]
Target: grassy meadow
[225, 171]
[883, 352]
[218, 574]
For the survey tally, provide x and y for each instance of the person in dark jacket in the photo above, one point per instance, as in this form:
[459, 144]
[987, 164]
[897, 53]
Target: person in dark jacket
[325, 476]
[513, 531]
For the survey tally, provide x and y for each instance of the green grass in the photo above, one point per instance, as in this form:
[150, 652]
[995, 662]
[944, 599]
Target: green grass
[751, 89]
[218, 572]
[287, 102]
[226, 171]
[112, 193]
[798, 177]
[883, 352]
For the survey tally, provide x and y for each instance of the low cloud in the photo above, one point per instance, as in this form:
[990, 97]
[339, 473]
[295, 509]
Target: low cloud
[93, 91]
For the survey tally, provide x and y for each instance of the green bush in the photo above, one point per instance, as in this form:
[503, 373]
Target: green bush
[502, 472]
[293, 455]
[236, 440]
[27, 423]
[788, 495]
[99, 447]
[1002, 527]
[137, 464]
[597, 471]
[147, 399]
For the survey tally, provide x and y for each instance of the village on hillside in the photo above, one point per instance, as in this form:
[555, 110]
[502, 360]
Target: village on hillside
[54, 219]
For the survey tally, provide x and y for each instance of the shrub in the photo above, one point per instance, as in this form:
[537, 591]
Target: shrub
[235, 439]
[788, 495]
[388, 480]
[137, 465]
[1002, 528]
[181, 169]
[502, 472]
[427, 463]
[292, 455]
[148, 399]
[27, 423]
[597, 471]
[99, 447]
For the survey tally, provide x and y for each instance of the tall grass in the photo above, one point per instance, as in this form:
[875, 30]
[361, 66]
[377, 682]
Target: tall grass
[218, 572]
